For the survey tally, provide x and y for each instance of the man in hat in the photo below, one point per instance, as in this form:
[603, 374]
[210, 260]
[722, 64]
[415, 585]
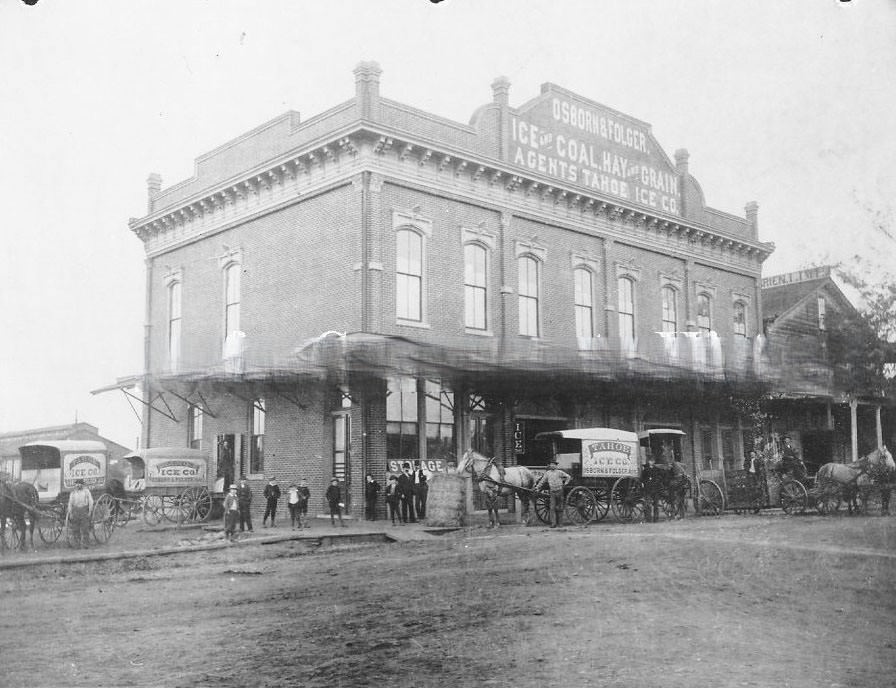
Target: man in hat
[77, 515]
[406, 492]
[334, 499]
[791, 463]
[231, 512]
[421, 490]
[555, 479]
[244, 500]
[272, 495]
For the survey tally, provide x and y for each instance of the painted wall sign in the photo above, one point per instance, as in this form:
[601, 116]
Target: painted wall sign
[795, 277]
[519, 437]
[431, 466]
[584, 144]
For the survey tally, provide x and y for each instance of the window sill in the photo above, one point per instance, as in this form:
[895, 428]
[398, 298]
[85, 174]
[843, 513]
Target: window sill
[478, 333]
[420, 325]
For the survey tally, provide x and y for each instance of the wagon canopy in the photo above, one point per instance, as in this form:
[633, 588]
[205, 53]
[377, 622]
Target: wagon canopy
[171, 468]
[662, 445]
[601, 452]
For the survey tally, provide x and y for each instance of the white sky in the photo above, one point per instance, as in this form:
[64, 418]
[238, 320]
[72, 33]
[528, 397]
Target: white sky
[789, 103]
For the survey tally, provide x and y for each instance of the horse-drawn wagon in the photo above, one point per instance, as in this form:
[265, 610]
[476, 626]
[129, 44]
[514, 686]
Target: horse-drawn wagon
[51, 469]
[769, 484]
[628, 473]
[164, 483]
[611, 469]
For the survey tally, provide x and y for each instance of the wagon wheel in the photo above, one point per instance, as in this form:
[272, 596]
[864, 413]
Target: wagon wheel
[171, 508]
[121, 512]
[601, 501]
[542, 505]
[794, 497]
[627, 499]
[102, 522]
[152, 510]
[51, 524]
[828, 497]
[12, 536]
[712, 501]
[195, 504]
[580, 506]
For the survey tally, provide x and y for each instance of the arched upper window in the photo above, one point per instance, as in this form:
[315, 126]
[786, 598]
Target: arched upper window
[626, 307]
[231, 298]
[529, 295]
[822, 313]
[584, 302]
[740, 318]
[704, 313]
[174, 324]
[409, 275]
[670, 309]
[476, 286]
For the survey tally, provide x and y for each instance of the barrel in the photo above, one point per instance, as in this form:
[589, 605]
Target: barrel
[446, 500]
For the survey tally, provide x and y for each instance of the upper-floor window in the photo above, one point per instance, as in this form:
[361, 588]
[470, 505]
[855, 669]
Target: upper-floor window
[529, 295]
[231, 298]
[475, 286]
[256, 444]
[194, 427]
[704, 313]
[409, 275]
[174, 324]
[584, 302]
[626, 289]
[822, 313]
[740, 318]
[670, 309]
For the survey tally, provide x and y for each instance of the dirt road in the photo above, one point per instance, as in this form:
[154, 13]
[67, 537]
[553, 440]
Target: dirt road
[762, 600]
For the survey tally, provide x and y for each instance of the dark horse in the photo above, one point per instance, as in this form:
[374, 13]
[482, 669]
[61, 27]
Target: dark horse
[17, 500]
[664, 483]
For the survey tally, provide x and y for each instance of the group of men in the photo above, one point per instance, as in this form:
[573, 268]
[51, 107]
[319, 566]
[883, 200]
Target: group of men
[406, 495]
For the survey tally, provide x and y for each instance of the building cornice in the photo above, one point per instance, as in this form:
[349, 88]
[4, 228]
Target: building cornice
[363, 145]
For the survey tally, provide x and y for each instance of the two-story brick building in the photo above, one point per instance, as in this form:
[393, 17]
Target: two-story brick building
[375, 284]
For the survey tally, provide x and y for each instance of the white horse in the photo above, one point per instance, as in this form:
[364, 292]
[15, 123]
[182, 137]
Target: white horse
[876, 468]
[496, 481]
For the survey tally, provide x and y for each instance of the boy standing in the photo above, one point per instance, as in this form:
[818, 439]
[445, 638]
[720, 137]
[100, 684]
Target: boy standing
[334, 499]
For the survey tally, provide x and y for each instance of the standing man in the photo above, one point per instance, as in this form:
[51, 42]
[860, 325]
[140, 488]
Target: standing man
[421, 489]
[304, 496]
[371, 492]
[406, 492]
[334, 500]
[791, 462]
[244, 504]
[231, 512]
[555, 479]
[272, 495]
[80, 504]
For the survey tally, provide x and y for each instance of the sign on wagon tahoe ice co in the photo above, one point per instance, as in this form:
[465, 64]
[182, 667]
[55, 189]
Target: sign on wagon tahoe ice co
[89, 467]
[609, 458]
[161, 471]
[581, 143]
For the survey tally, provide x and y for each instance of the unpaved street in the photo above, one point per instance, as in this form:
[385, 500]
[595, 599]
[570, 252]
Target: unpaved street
[762, 600]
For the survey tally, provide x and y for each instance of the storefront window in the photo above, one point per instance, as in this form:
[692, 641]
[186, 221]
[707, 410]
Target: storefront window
[401, 419]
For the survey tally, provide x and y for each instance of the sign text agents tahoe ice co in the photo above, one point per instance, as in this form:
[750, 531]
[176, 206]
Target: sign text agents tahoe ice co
[595, 149]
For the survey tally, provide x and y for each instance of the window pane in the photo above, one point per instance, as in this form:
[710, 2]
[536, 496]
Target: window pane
[583, 287]
[584, 326]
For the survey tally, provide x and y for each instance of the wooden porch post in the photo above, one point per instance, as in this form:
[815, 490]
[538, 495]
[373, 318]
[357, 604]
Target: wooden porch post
[853, 429]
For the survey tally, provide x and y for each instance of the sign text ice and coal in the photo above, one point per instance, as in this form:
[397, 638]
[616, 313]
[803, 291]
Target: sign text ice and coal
[587, 145]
